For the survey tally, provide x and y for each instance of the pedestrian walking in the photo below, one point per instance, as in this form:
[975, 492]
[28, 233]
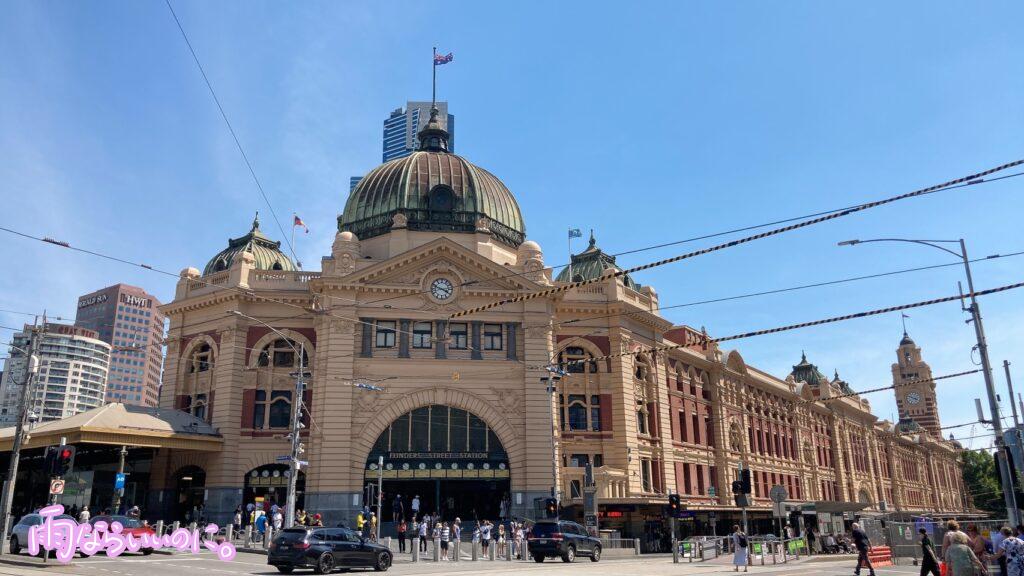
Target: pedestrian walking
[501, 541]
[740, 549]
[960, 559]
[446, 535]
[261, 524]
[997, 541]
[1011, 552]
[278, 520]
[485, 536]
[415, 506]
[317, 521]
[863, 544]
[929, 560]
[952, 529]
[249, 509]
[372, 528]
[978, 544]
[457, 533]
[398, 509]
[236, 520]
[84, 516]
[423, 535]
[402, 527]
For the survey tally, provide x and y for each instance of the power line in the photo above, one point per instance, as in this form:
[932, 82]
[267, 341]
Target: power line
[965, 180]
[703, 340]
[231, 129]
[707, 236]
[782, 290]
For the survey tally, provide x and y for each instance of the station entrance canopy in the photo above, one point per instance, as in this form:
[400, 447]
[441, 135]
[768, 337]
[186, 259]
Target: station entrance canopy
[123, 425]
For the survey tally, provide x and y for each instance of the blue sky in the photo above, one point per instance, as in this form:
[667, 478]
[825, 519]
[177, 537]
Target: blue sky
[648, 122]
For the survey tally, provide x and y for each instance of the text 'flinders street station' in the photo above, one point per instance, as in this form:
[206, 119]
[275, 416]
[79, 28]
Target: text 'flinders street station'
[463, 419]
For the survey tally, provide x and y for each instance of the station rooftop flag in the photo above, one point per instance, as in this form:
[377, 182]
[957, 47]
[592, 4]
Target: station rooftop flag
[440, 59]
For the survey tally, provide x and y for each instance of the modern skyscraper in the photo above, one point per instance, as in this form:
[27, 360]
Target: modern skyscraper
[353, 181]
[403, 126]
[915, 394]
[73, 365]
[127, 318]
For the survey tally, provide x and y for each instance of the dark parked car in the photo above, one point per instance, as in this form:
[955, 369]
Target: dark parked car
[562, 539]
[324, 549]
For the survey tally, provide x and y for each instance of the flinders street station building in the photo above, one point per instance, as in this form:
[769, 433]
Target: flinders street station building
[458, 412]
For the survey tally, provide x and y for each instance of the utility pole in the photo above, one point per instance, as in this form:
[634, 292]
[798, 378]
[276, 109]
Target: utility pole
[380, 486]
[31, 367]
[1009, 384]
[294, 465]
[118, 492]
[552, 382]
[990, 388]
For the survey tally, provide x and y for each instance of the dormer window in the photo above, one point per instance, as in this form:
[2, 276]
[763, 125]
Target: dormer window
[441, 199]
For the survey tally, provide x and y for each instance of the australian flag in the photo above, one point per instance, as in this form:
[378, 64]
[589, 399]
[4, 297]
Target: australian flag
[575, 233]
[440, 59]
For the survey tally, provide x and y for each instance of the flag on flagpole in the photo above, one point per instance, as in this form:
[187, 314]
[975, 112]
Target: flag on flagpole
[575, 233]
[298, 222]
[440, 59]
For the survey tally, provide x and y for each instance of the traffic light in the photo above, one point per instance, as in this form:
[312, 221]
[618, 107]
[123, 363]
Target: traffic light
[674, 505]
[737, 487]
[59, 460]
[745, 480]
[551, 507]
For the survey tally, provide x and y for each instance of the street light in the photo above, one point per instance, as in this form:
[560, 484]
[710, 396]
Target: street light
[293, 462]
[31, 368]
[979, 332]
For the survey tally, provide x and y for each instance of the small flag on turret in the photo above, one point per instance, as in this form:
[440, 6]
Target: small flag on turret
[298, 222]
[440, 59]
[575, 233]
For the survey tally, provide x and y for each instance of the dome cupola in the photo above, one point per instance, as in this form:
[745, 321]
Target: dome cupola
[432, 190]
[267, 253]
[807, 372]
[592, 263]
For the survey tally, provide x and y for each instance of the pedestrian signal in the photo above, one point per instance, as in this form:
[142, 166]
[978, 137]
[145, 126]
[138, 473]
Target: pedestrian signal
[674, 505]
[551, 507]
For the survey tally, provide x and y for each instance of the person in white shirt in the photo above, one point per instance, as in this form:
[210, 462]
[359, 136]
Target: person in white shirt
[415, 506]
[84, 515]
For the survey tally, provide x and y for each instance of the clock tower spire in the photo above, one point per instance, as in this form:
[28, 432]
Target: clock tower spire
[916, 402]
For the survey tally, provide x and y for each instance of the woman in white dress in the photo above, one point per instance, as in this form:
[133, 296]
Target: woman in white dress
[740, 546]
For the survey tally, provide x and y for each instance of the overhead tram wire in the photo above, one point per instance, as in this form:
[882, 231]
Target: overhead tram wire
[962, 181]
[704, 340]
[231, 129]
[780, 290]
[719, 234]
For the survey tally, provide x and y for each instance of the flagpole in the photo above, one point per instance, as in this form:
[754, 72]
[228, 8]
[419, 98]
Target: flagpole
[433, 94]
[297, 263]
[570, 254]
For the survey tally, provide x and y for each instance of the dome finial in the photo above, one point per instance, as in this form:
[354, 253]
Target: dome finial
[256, 222]
[803, 356]
[433, 137]
[593, 241]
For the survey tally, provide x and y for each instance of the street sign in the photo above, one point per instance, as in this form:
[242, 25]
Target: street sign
[119, 481]
[283, 458]
[302, 463]
[779, 510]
[56, 486]
[778, 493]
[590, 521]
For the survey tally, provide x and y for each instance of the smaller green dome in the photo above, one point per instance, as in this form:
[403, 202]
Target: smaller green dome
[590, 264]
[908, 426]
[267, 253]
[807, 372]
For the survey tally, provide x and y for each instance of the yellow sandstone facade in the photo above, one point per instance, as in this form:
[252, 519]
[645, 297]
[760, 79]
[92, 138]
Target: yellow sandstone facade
[462, 418]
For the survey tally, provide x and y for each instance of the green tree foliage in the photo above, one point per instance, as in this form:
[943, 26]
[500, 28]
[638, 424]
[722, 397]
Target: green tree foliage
[982, 481]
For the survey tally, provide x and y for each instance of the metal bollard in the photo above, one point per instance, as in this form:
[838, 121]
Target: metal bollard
[247, 537]
[476, 551]
[268, 536]
[229, 532]
[636, 546]
[437, 549]
[159, 528]
[175, 526]
[675, 551]
[456, 547]
[416, 550]
[387, 542]
[192, 526]
[492, 550]
[508, 550]
[525, 552]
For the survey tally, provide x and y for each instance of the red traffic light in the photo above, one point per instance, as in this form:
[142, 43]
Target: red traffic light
[65, 454]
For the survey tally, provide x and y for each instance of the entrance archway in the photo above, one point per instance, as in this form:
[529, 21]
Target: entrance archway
[267, 485]
[448, 457]
[190, 484]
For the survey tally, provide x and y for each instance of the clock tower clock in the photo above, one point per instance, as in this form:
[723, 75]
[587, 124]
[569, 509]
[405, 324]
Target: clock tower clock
[915, 399]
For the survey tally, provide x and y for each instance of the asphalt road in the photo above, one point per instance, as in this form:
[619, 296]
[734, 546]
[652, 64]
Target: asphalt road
[205, 564]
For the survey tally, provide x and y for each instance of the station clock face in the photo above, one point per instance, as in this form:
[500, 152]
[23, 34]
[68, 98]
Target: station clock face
[913, 398]
[442, 289]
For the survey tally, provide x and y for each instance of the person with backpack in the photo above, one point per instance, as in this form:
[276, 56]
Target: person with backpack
[740, 549]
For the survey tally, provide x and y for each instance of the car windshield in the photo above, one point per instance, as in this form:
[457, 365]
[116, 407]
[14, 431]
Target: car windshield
[124, 521]
[291, 535]
[544, 529]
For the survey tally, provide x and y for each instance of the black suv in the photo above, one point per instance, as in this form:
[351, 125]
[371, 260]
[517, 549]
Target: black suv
[324, 549]
[563, 539]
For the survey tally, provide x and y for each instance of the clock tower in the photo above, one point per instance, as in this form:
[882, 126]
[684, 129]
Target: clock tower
[916, 402]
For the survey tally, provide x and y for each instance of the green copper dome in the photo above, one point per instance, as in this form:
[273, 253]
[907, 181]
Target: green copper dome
[807, 372]
[435, 190]
[591, 263]
[267, 252]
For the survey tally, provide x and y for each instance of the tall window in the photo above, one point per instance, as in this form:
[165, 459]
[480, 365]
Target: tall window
[641, 418]
[578, 411]
[645, 475]
[422, 332]
[459, 335]
[385, 336]
[201, 359]
[595, 412]
[198, 382]
[492, 337]
[272, 412]
[281, 354]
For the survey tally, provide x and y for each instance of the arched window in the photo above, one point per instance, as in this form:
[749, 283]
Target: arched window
[202, 359]
[197, 384]
[273, 411]
[579, 414]
[281, 354]
[277, 266]
[441, 199]
[575, 360]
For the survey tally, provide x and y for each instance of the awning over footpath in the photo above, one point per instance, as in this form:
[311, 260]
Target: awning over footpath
[123, 425]
[832, 507]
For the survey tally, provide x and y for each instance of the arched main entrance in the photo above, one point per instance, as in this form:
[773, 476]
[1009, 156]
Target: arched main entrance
[448, 457]
[267, 485]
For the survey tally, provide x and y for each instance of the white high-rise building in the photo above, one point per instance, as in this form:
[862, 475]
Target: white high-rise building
[72, 377]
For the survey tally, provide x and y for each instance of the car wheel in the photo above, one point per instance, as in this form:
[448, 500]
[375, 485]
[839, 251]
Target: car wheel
[285, 569]
[570, 554]
[15, 546]
[147, 551]
[596, 556]
[538, 558]
[383, 562]
[324, 564]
